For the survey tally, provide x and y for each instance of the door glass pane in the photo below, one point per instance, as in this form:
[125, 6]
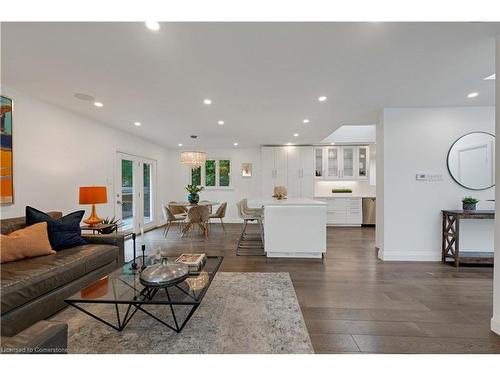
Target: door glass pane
[224, 172]
[318, 162]
[210, 173]
[348, 162]
[127, 194]
[196, 176]
[147, 193]
[362, 162]
[333, 162]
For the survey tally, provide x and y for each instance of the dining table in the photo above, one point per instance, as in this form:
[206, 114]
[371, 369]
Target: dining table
[187, 204]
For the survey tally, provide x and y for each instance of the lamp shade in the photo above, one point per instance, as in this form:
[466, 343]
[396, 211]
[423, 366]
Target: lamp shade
[93, 195]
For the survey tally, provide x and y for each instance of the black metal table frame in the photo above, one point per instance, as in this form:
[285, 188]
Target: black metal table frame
[148, 294]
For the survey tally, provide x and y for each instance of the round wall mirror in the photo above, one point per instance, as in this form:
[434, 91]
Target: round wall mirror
[471, 161]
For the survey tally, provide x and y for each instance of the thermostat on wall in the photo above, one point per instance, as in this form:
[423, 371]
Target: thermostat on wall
[429, 177]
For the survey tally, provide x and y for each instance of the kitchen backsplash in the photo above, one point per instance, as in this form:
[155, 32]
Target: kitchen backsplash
[362, 188]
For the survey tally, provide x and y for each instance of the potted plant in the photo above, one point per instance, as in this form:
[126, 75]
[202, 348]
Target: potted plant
[469, 203]
[114, 221]
[193, 191]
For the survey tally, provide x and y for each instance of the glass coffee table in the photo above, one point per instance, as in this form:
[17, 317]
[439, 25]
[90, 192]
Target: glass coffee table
[123, 289]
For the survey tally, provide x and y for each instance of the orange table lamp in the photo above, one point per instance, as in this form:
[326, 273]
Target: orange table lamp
[93, 195]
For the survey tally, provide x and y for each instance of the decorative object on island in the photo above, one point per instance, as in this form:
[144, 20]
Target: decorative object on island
[193, 191]
[193, 159]
[246, 170]
[93, 195]
[343, 190]
[164, 274]
[280, 192]
[133, 266]
[6, 159]
[114, 225]
[469, 203]
[195, 262]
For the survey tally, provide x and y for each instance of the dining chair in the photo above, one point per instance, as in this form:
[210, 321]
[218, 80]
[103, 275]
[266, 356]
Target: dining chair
[220, 214]
[208, 205]
[170, 217]
[177, 210]
[199, 215]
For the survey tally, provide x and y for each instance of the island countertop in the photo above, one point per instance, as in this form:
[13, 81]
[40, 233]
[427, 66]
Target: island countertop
[259, 202]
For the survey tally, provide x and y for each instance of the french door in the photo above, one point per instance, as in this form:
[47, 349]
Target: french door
[135, 192]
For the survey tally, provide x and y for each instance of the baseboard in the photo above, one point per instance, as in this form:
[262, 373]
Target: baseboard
[412, 256]
[495, 324]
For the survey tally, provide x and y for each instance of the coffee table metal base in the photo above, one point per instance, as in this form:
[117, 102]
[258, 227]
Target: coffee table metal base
[148, 294]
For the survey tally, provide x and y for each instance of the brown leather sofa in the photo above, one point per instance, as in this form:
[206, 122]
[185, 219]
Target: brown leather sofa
[32, 290]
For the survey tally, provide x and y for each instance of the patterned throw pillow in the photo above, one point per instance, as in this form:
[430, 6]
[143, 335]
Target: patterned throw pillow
[64, 232]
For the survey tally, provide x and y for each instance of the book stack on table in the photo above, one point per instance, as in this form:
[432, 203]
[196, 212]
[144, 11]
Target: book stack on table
[195, 262]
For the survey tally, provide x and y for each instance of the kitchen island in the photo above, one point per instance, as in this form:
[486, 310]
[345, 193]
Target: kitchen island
[294, 227]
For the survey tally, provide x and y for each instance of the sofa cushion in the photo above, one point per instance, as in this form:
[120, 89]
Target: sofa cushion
[64, 232]
[28, 242]
[27, 279]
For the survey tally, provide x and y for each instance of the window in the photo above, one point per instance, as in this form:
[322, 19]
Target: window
[216, 173]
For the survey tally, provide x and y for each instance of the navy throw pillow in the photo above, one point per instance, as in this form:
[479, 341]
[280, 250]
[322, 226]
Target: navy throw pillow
[64, 232]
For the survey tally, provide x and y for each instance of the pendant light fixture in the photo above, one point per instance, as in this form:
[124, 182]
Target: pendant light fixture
[193, 159]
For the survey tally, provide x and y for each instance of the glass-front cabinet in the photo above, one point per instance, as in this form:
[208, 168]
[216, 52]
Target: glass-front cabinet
[342, 162]
[362, 165]
[318, 162]
[348, 163]
[333, 162]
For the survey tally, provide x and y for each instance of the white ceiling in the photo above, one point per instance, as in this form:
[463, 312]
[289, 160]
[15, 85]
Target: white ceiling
[263, 78]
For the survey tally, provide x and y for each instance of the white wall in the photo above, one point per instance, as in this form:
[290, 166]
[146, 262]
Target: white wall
[57, 151]
[416, 140]
[241, 187]
[495, 320]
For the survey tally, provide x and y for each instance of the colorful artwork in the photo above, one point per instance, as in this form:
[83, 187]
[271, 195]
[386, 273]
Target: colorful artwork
[7, 186]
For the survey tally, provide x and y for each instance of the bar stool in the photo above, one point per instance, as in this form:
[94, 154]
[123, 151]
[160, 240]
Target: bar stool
[250, 244]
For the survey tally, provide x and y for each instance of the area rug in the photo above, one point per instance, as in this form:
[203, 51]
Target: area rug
[241, 313]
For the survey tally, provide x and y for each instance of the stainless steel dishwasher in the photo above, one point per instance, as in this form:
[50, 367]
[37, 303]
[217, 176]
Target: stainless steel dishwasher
[369, 211]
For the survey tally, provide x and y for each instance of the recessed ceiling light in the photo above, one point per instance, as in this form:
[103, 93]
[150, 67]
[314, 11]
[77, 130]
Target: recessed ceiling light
[473, 95]
[137, 123]
[295, 134]
[98, 104]
[289, 144]
[492, 77]
[207, 101]
[235, 144]
[322, 98]
[152, 25]
[180, 145]
[332, 143]
[220, 122]
[83, 96]
[305, 121]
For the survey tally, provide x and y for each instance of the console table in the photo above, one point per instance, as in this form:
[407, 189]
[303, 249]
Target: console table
[451, 234]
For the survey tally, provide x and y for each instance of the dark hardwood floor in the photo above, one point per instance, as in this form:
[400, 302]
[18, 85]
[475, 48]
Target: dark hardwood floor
[354, 302]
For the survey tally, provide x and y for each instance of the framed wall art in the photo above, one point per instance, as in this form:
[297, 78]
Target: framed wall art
[6, 159]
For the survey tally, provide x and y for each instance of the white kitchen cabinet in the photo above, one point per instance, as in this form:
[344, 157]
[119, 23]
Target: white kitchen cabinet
[318, 162]
[342, 162]
[343, 210]
[333, 163]
[289, 166]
